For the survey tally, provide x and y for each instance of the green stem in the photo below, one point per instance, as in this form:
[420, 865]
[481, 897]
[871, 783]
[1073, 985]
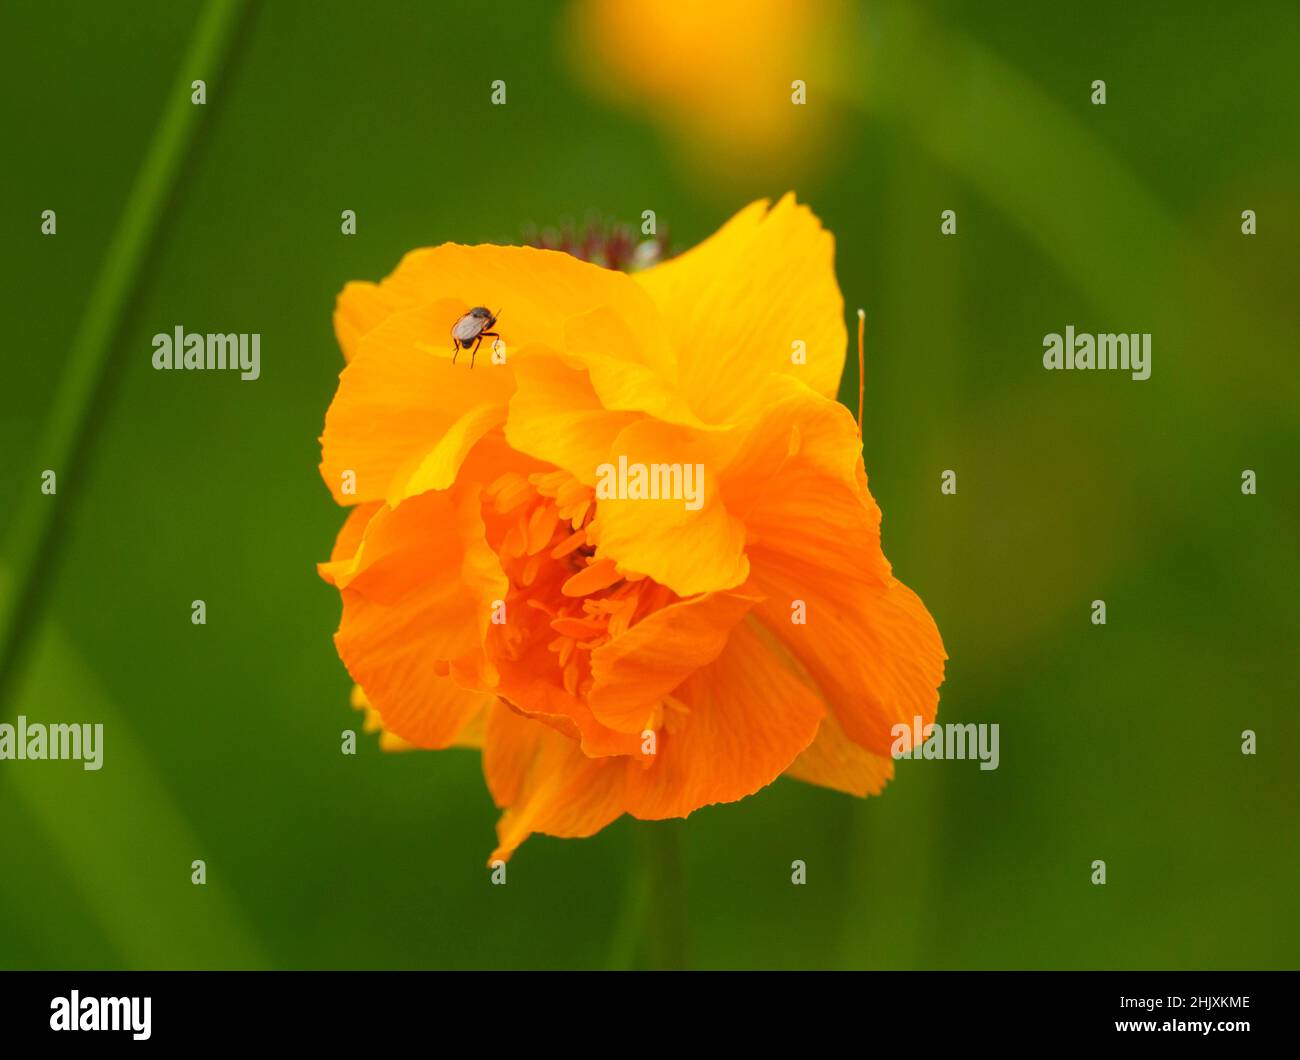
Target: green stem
[32, 544]
[665, 923]
[625, 938]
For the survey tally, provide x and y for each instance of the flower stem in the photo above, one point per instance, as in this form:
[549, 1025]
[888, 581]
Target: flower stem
[665, 923]
[33, 540]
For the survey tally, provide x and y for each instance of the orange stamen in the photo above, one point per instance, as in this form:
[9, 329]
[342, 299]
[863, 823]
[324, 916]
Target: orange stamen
[575, 540]
[577, 627]
[570, 677]
[600, 575]
[541, 526]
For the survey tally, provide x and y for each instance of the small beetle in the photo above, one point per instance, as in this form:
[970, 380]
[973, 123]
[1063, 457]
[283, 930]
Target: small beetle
[473, 327]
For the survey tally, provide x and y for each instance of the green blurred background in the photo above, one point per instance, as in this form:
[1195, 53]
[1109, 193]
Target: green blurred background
[1119, 742]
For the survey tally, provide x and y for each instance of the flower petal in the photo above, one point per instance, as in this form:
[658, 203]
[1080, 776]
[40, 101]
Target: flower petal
[537, 293]
[735, 305]
[557, 416]
[814, 536]
[449, 700]
[875, 652]
[545, 783]
[634, 671]
[523, 671]
[695, 549]
[832, 760]
[343, 555]
[400, 376]
[747, 716]
[360, 308]
[420, 595]
[404, 416]
[629, 362]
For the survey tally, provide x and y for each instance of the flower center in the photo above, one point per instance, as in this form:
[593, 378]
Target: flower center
[573, 600]
[608, 244]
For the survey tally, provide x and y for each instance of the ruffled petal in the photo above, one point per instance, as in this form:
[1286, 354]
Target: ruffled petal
[360, 308]
[832, 760]
[545, 783]
[634, 671]
[348, 541]
[735, 306]
[471, 706]
[691, 543]
[397, 337]
[538, 292]
[557, 416]
[404, 416]
[875, 652]
[730, 729]
[419, 594]
[814, 539]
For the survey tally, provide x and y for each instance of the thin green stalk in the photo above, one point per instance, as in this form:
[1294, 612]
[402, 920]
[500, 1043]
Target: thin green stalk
[63, 445]
[665, 924]
[625, 938]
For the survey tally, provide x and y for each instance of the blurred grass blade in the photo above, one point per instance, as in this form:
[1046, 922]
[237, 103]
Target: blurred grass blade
[1032, 157]
[126, 848]
[62, 447]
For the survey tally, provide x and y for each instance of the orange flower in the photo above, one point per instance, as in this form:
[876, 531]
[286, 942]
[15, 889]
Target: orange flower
[613, 653]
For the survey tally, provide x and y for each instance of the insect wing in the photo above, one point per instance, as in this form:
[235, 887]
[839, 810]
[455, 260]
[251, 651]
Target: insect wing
[467, 328]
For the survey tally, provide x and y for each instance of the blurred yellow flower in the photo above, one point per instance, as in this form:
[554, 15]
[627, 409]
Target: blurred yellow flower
[722, 76]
